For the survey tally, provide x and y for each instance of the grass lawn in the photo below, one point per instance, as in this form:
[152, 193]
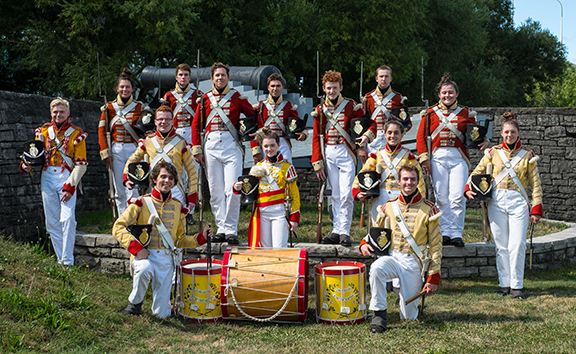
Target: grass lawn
[102, 223]
[48, 308]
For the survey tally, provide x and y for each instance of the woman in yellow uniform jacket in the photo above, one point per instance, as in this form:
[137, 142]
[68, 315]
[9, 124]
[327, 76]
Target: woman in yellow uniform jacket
[513, 169]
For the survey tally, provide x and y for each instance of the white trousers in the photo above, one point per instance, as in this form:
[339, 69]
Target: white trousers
[223, 167]
[285, 150]
[273, 226]
[341, 172]
[378, 142]
[186, 133]
[450, 173]
[385, 195]
[509, 217]
[60, 217]
[120, 155]
[158, 268]
[404, 267]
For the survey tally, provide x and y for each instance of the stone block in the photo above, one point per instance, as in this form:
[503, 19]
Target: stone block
[542, 257]
[488, 271]
[547, 120]
[451, 251]
[492, 261]
[99, 251]
[349, 252]
[87, 261]
[560, 255]
[559, 245]
[486, 250]
[566, 142]
[107, 241]
[80, 251]
[554, 132]
[444, 273]
[570, 252]
[463, 272]
[541, 247]
[86, 240]
[119, 253]
[112, 265]
[476, 261]
[571, 241]
[453, 262]
[315, 250]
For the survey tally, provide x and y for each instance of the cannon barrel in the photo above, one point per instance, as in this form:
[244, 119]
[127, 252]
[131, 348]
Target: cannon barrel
[152, 77]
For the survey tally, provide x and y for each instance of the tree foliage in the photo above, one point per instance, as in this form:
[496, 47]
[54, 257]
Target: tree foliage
[51, 48]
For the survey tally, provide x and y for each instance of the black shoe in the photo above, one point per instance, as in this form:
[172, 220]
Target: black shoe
[132, 309]
[503, 291]
[517, 294]
[445, 241]
[218, 238]
[232, 239]
[457, 242]
[345, 240]
[379, 321]
[332, 239]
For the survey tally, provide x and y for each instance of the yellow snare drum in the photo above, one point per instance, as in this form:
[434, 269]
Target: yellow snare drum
[200, 289]
[340, 292]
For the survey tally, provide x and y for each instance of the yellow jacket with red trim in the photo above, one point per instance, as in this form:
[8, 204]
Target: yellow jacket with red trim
[421, 217]
[180, 155]
[170, 212]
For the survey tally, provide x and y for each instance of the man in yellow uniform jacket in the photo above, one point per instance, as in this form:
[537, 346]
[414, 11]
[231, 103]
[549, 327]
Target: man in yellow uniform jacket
[416, 247]
[156, 261]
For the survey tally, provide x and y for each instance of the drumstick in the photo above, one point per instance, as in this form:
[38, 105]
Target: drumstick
[423, 292]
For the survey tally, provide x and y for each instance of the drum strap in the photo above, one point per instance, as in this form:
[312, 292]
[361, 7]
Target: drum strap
[391, 165]
[381, 105]
[162, 230]
[182, 102]
[446, 122]
[509, 170]
[273, 115]
[52, 135]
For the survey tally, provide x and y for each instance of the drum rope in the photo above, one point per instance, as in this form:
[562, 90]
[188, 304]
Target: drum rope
[229, 287]
[283, 280]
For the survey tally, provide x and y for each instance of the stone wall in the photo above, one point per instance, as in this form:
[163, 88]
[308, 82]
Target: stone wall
[104, 253]
[21, 208]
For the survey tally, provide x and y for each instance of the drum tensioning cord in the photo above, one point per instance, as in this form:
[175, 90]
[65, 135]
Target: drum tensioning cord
[229, 287]
[342, 297]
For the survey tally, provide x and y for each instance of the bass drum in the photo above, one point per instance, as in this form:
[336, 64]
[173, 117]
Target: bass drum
[265, 284]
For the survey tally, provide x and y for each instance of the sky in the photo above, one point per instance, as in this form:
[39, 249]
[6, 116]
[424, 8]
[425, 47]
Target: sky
[547, 12]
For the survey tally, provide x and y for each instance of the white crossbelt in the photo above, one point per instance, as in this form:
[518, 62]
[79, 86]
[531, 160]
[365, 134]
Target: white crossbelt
[120, 113]
[273, 115]
[333, 122]
[217, 110]
[381, 105]
[271, 180]
[509, 170]
[391, 165]
[182, 102]
[446, 122]
[425, 259]
[163, 231]
[162, 154]
[61, 150]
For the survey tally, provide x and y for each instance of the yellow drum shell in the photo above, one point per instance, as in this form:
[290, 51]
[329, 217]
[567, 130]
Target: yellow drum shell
[200, 289]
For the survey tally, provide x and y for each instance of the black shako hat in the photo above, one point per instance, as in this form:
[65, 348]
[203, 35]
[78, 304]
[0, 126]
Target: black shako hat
[379, 238]
[138, 172]
[249, 191]
[482, 186]
[474, 135]
[34, 152]
[296, 125]
[369, 182]
[142, 233]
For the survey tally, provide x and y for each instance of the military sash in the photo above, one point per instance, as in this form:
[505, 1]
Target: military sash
[446, 122]
[391, 165]
[508, 170]
[381, 104]
[333, 122]
[162, 154]
[52, 135]
[181, 101]
[120, 113]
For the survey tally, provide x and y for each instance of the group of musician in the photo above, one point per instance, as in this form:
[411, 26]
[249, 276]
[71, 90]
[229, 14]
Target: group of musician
[194, 131]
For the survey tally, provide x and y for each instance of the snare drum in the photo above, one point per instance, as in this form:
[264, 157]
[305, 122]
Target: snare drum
[265, 284]
[340, 292]
[200, 289]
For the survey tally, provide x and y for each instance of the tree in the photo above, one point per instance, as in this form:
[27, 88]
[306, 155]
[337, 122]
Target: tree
[557, 92]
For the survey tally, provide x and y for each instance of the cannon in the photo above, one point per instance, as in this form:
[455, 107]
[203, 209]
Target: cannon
[152, 77]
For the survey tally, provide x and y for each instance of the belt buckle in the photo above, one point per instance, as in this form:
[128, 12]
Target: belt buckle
[508, 165]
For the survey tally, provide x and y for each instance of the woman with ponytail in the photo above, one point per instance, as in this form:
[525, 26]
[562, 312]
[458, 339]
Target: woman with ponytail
[512, 167]
[121, 115]
[449, 162]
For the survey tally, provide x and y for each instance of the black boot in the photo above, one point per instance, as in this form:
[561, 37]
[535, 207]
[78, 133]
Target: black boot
[345, 240]
[503, 291]
[379, 322]
[517, 294]
[332, 239]
[132, 309]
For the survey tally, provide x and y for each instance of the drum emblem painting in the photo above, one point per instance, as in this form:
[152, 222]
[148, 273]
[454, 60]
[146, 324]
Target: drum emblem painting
[200, 288]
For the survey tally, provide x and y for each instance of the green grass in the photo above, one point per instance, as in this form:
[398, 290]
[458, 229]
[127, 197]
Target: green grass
[48, 308]
[101, 223]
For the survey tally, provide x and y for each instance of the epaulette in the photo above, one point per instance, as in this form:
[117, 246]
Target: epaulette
[434, 213]
[373, 155]
[81, 136]
[488, 153]
[404, 98]
[472, 114]
[256, 105]
[138, 201]
[294, 107]
[357, 107]
[411, 156]
[423, 113]
[314, 114]
[199, 99]
[258, 171]
[535, 158]
[38, 133]
[243, 97]
[163, 100]
[141, 143]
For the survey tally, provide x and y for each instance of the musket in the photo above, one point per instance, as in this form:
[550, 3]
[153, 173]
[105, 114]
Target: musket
[428, 179]
[487, 233]
[363, 209]
[321, 138]
[531, 245]
[111, 191]
[288, 205]
[201, 172]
